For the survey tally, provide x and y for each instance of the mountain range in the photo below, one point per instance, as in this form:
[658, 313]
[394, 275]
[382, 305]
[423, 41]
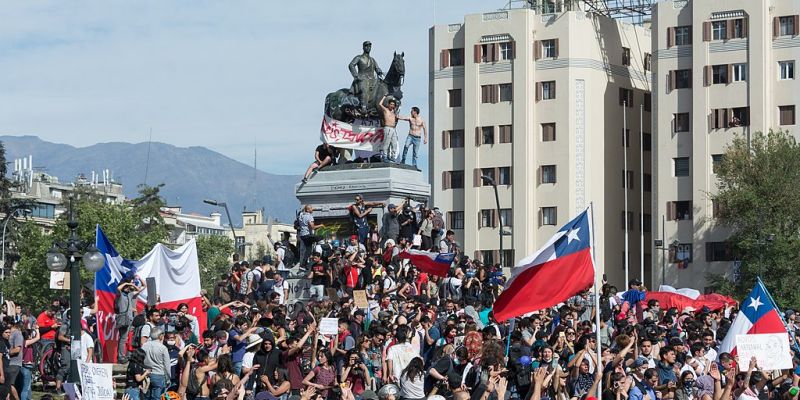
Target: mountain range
[189, 174]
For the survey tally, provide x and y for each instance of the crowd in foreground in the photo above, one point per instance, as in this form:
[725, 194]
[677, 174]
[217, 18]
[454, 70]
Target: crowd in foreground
[421, 336]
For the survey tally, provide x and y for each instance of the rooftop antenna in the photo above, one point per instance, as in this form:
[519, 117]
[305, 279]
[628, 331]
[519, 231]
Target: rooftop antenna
[255, 172]
[147, 163]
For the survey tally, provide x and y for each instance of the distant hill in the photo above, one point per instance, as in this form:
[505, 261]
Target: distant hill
[189, 174]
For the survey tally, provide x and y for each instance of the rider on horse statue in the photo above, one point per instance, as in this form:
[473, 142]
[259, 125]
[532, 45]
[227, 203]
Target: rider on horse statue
[366, 72]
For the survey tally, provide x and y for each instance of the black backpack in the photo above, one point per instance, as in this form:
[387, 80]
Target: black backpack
[327, 250]
[139, 321]
[289, 255]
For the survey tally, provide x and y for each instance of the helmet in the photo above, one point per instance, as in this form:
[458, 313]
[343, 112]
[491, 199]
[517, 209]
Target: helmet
[388, 390]
[170, 395]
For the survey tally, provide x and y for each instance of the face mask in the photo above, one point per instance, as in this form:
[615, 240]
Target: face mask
[171, 342]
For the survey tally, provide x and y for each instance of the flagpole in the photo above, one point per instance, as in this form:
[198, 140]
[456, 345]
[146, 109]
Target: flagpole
[641, 192]
[596, 300]
[625, 138]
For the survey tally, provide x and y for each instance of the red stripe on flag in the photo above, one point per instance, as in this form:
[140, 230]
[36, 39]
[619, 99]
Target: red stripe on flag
[546, 285]
[768, 323]
[426, 264]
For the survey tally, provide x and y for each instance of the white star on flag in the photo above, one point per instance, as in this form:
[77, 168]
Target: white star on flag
[755, 303]
[573, 235]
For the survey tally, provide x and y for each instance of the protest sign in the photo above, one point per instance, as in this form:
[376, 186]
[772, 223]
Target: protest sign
[771, 350]
[96, 381]
[329, 326]
[360, 298]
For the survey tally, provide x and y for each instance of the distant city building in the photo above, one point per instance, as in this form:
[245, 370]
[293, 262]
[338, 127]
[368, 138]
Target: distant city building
[48, 194]
[535, 98]
[251, 238]
[185, 227]
[721, 68]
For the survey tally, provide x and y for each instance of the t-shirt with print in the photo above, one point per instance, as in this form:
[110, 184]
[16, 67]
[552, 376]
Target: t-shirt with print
[305, 223]
[319, 279]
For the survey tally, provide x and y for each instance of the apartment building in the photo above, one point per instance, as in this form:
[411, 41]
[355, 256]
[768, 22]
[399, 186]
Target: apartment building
[721, 68]
[538, 100]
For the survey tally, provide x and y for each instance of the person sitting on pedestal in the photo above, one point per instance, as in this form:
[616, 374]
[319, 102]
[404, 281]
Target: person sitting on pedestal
[323, 156]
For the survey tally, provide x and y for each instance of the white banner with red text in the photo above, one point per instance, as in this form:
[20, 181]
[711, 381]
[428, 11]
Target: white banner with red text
[361, 135]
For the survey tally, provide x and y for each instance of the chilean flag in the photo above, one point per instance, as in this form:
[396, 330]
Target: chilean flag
[556, 272]
[432, 263]
[669, 297]
[758, 314]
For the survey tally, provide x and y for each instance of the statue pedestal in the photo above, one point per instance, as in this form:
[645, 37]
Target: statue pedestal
[333, 189]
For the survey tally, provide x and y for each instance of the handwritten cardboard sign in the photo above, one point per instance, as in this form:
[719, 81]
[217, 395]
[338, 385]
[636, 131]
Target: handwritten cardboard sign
[96, 381]
[771, 350]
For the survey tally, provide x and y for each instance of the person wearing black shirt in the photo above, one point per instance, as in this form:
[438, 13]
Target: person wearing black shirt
[319, 276]
[408, 223]
[323, 156]
[135, 374]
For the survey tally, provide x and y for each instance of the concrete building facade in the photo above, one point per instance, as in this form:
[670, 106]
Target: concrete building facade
[721, 69]
[538, 103]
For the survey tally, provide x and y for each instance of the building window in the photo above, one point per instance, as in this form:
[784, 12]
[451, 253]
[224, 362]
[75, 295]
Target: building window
[549, 48]
[487, 135]
[719, 74]
[786, 69]
[683, 79]
[548, 90]
[508, 257]
[487, 94]
[622, 220]
[681, 253]
[627, 179]
[506, 51]
[739, 72]
[487, 52]
[454, 97]
[719, 251]
[548, 215]
[786, 115]
[505, 133]
[456, 219]
[455, 139]
[548, 174]
[646, 223]
[456, 57]
[549, 132]
[716, 162]
[683, 35]
[740, 116]
[626, 97]
[786, 26]
[648, 102]
[679, 210]
[647, 182]
[626, 138]
[42, 210]
[506, 92]
[681, 166]
[647, 141]
[453, 179]
[506, 217]
[487, 219]
[719, 30]
[681, 122]
[648, 62]
[488, 172]
[716, 208]
[626, 56]
[487, 257]
[504, 176]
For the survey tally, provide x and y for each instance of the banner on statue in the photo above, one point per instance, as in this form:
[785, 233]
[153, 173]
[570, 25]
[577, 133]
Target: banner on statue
[360, 135]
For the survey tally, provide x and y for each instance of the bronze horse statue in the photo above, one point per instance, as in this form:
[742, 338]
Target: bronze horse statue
[343, 105]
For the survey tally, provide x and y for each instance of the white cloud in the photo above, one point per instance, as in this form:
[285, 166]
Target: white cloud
[217, 74]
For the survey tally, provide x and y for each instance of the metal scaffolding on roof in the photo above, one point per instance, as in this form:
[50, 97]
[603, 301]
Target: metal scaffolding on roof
[636, 12]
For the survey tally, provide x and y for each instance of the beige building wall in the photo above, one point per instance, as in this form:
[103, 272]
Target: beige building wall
[759, 50]
[587, 152]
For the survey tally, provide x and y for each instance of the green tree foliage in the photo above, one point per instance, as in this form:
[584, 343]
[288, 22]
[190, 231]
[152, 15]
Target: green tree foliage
[759, 200]
[30, 283]
[213, 254]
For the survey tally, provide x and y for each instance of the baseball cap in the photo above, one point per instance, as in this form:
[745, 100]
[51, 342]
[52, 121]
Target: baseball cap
[634, 281]
[639, 362]
[392, 206]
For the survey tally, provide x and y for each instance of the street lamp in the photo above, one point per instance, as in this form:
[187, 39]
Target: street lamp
[228, 213]
[24, 211]
[490, 180]
[64, 256]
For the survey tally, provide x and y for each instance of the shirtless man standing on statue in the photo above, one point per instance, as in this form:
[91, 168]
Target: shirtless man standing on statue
[417, 130]
[389, 151]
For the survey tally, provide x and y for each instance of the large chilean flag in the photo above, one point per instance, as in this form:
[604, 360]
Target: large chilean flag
[432, 263]
[105, 285]
[758, 314]
[556, 272]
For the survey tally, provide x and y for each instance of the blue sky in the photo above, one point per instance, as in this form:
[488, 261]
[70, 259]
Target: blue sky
[221, 74]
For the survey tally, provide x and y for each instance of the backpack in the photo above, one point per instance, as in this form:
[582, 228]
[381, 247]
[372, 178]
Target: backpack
[327, 250]
[297, 222]
[139, 321]
[289, 255]
[193, 387]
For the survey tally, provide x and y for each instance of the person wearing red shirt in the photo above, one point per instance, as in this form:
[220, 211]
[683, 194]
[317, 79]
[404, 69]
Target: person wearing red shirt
[48, 325]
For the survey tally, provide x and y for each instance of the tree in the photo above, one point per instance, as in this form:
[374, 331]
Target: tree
[758, 198]
[30, 283]
[213, 254]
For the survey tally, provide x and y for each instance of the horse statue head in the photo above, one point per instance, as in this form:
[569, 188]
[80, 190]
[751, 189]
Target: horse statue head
[397, 70]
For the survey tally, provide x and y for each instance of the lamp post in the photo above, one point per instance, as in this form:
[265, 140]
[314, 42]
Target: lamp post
[64, 256]
[25, 211]
[491, 181]
[228, 213]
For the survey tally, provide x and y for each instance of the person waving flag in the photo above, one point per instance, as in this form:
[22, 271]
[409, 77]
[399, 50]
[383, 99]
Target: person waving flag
[553, 274]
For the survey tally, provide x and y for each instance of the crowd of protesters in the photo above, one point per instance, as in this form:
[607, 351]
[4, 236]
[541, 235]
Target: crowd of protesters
[420, 337]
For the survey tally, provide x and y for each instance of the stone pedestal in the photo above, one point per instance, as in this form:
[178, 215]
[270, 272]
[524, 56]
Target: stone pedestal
[333, 189]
